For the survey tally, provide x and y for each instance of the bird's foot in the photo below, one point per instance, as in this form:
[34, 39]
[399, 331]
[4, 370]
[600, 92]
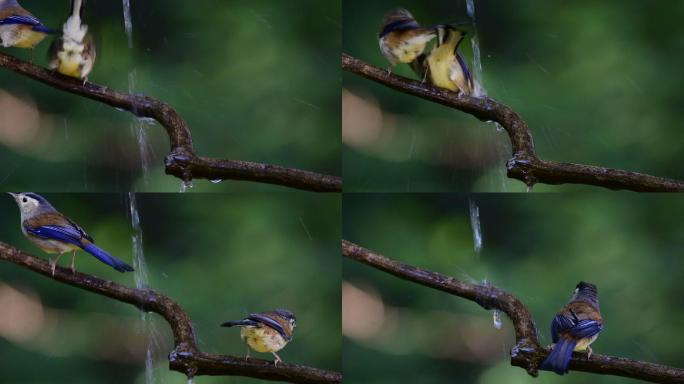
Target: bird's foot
[277, 359]
[589, 352]
[53, 265]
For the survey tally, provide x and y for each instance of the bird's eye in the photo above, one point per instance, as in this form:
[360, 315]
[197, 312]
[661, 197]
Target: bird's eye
[25, 200]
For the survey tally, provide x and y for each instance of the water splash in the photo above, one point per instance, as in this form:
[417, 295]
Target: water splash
[475, 225]
[185, 185]
[496, 319]
[148, 327]
[138, 129]
[128, 22]
[479, 89]
[216, 181]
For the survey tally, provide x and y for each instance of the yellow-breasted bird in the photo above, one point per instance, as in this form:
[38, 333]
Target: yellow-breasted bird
[266, 331]
[574, 328]
[73, 54]
[401, 38]
[444, 65]
[18, 27]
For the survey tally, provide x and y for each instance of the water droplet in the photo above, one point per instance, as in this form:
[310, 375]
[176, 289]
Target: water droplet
[185, 185]
[475, 225]
[496, 318]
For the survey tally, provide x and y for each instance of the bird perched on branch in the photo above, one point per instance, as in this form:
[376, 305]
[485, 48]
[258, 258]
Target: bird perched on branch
[445, 66]
[53, 232]
[574, 328]
[402, 39]
[73, 54]
[18, 27]
[266, 331]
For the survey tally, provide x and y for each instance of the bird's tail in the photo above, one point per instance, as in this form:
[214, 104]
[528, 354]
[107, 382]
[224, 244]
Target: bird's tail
[239, 323]
[43, 29]
[559, 358]
[106, 258]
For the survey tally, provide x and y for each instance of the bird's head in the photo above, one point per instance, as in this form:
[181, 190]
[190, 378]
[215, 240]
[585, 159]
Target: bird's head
[29, 202]
[287, 317]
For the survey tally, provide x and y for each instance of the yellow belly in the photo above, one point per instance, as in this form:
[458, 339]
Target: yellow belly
[440, 71]
[262, 339]
[20, 36]
[583, 344]
[70, 68]
[28, 38]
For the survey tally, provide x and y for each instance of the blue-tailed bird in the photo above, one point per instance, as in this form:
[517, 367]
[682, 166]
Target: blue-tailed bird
[53, 232]
[266, 331]
[401, 38]
[73, 54]
[574, 328]
[444, 65]
[18, 27]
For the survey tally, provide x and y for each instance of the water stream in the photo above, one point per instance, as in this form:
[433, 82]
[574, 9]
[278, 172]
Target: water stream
[128, 22]
[480, 91]
[475, 225]
[148, 327]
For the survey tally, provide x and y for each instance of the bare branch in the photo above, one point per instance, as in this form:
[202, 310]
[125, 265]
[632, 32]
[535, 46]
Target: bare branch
[182, 161]
[524, 165]
[527, 352]
[186, 356]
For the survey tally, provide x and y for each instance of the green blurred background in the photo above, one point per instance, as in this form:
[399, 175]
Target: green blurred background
[220, 256]
[535, 247]
[255, 80]
[598, 82]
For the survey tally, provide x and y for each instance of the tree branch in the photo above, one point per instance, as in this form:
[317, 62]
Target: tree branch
[186, 356]
[527, 353]
[182, 161]
[524, 164]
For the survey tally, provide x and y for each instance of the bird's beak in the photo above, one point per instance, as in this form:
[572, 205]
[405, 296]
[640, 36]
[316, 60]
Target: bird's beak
[14, 195]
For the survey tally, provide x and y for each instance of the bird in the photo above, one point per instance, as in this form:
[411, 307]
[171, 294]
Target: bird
[402, 39]
[574, 328]
[73, 54]
[53, 232]
[266, 331]
[444, 65]
[19, 28]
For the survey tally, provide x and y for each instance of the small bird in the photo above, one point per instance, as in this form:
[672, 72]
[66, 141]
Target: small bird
[18, 27]
[53, 232]
[266, 331]
[574, 328]
[73, 54]
[402, 39]
[445, 65]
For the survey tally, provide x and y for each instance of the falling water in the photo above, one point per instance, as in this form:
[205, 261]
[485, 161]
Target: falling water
[480, 91]
[496, 318]
[475, 225]
[185, 185]
[496, 314]
[128, 22]
[139, 130]
[148, 327]
[475, 43]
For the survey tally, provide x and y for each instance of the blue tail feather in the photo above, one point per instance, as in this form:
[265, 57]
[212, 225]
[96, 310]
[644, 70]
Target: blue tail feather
[44, 29]
[106, 258]
[559, 358]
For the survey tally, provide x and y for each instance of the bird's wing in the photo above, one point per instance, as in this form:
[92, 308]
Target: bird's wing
[560, 324]
[66, 234]
[268, 321]
[80, 230]
[585, 328]
[20, 19]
